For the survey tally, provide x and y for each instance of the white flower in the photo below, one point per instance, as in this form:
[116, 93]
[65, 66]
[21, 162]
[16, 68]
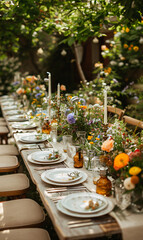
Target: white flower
[134, 61]
[63, 52]
[40, 51]
[113, 63]
[95, 40]
[90, 93]
[121, 64]
[141, 40]
[139, 28]
[128, 184]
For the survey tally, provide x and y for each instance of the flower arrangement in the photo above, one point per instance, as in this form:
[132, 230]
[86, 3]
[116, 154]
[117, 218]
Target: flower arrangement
[81, 117]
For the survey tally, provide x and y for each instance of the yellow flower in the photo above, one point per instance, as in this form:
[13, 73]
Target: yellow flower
[136, 48]
[134, 170]
[43, 94]
[89, 137]
[91, 142]
[127, 30]
[125, 45]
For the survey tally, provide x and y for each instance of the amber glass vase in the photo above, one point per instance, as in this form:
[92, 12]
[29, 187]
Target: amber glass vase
[103, 184]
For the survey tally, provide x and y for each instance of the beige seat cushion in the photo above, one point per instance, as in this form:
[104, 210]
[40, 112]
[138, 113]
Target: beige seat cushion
[8, 149]
[13, 184]
[3, 130]
[3, 123]
[25, 234]
[20, 213]
[8, 163]
[2, 119]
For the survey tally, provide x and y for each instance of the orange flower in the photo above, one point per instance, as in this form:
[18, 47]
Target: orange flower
[127, 30]
[129, 48]
[83, 107]
[91, 142]
[125, 45]
[134, 179]
[108, 70]
[63, 88]
[89, 137]
[108, 145]
[120, 161]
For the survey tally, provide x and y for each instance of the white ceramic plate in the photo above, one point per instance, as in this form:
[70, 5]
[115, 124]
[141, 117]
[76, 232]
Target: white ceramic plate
[81, 180]
[14, 112]
[10, 108]
[79, 202]
[26, 125]
[8, 104]
[106, 210]
[17, 118]
[61, 175]
[62, 159]
[42, 156]
[32, 139]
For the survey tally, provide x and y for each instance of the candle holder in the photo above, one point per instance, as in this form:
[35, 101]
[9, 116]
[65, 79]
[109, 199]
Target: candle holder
[105, 127]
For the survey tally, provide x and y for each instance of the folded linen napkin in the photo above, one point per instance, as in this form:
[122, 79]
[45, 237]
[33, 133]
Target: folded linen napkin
[130, 223]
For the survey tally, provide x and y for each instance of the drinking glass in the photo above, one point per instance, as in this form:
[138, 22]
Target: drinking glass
[67, 139]
[53, 134]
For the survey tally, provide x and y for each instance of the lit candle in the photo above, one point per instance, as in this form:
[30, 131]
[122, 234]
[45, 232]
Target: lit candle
[49, 92]
[105, 106]
[58, 94]
[49, 86]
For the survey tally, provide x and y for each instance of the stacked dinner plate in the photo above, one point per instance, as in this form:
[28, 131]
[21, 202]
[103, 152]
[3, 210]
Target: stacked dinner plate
[46, 157]
[64, 177]
[33, 138]
[17, 118]
[85, 205]
[25, 125]
[10, 108]
[14, 112]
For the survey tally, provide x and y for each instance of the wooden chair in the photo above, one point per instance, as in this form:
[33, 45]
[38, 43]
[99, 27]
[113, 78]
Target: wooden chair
[8, 164]
[4, 134]
[20, 213]
[24, 233]
[133, 121]
[113, 110]
[12, 185]
[8, 150]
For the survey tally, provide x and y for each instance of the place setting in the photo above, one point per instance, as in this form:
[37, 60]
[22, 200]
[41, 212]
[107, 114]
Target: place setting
[14, 112]
[24, 126]
[33, 138]
[85, 205]
[64, 177]
[17, 118]
[48, 157]
[13, 107]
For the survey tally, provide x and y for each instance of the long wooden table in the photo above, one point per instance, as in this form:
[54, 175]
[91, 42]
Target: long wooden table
[100, 228]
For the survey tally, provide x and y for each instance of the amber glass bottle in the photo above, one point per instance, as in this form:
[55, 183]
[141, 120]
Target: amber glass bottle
[78, 159]
[103, 184]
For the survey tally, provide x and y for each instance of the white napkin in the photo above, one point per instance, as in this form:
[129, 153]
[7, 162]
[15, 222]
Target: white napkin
[130, 223]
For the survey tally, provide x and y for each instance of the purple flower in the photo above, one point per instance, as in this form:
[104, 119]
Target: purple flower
[37, 88]
[38, 95]
[15, 83]
[70, 118]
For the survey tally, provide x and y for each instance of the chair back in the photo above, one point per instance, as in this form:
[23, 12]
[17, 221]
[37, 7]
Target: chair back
[119, 112]
[133, 121]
